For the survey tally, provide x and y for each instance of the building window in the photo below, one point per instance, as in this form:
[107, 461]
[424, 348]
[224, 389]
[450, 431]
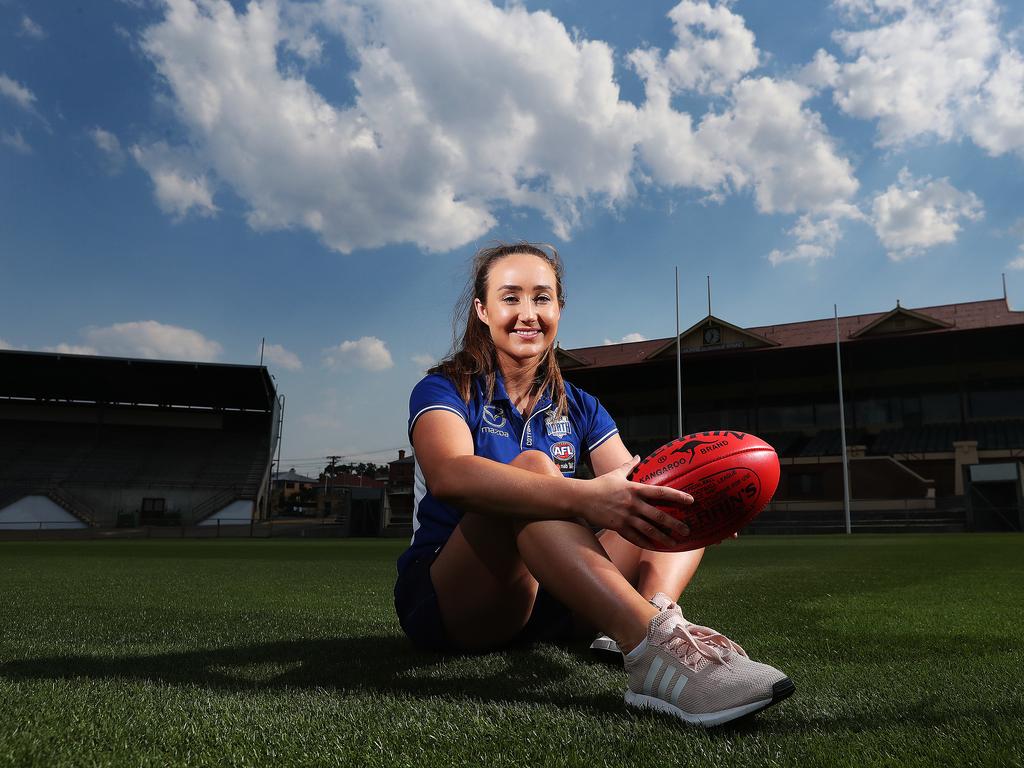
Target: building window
[873, 412]
[826, 415]
[940, 408]
[806, 485]
[784, 417]
[997, 404]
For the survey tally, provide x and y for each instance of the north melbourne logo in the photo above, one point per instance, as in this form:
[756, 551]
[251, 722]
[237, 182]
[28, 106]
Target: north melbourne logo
[557, 427]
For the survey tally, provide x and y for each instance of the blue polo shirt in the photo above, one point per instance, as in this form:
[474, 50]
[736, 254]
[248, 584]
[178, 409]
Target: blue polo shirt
[500, 432]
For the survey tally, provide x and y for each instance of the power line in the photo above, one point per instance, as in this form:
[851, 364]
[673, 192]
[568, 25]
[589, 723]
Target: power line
[326, 459]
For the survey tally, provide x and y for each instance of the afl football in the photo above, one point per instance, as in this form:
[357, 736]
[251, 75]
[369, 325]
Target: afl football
[731, 476]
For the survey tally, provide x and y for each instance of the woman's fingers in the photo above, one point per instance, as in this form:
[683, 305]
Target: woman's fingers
[667, 523]
[649, 536]
[663, 496]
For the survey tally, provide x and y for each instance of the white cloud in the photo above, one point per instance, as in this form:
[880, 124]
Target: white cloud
[30, 29]
[763, 139]
[147, 339]
[996, 124]
[915, 214]
[72, 349]
[278, 355]
[178, 186]
[17, 142]
[714, 49]
[1017, 263]
[629, 338]
[369, 353]
[18, 93]
[816, 235]
[110, 146]
[424, 360]
[4, 344]
[822, 71]
[771, 143]
[932, 69]
[462, 110]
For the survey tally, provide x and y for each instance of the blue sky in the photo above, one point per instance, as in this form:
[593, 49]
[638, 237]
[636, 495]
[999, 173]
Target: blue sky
[178, 180]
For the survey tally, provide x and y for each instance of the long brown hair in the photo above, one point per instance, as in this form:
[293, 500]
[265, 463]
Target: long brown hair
[475, 354]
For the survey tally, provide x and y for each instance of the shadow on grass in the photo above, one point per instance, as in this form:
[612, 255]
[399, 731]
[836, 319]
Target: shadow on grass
[384, 664]
[388, 665]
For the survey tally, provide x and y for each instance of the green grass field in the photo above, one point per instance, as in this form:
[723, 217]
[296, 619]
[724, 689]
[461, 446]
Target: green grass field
[906, 650]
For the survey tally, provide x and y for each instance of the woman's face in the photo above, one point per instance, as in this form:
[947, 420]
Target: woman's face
[521, 308]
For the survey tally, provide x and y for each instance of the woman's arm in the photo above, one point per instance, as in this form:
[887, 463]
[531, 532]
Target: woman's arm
[609, 455]
[444, 452]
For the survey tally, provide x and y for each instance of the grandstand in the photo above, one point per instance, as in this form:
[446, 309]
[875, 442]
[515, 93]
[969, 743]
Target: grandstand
[103, 442]
[931, 394]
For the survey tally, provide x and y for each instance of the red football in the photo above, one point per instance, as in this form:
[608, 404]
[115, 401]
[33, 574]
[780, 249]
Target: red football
[731, 476]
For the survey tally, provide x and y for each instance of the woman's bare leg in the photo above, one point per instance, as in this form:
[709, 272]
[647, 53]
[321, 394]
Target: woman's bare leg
[648, 571]
[486, 576]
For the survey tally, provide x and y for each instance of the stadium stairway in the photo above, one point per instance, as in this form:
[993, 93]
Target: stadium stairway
[215, 503]
[63, 499]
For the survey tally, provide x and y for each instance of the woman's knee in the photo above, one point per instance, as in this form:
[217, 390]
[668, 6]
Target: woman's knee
[533, 460]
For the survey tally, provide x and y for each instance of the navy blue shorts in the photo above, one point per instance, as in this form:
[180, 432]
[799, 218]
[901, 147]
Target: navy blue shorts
[420, 615]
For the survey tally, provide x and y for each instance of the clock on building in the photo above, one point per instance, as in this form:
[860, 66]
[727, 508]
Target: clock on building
[712, 335]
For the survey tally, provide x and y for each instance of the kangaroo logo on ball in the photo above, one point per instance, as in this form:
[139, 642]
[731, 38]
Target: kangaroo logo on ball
[691, 445]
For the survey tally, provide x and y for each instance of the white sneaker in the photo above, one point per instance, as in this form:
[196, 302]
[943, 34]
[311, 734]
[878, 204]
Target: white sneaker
[603, 644]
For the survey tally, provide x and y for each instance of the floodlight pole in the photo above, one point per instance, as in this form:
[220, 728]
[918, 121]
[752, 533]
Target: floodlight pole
[842, 428]
[280, 436]
[679, 363]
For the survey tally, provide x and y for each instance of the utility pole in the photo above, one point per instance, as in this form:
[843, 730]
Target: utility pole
[333, 460]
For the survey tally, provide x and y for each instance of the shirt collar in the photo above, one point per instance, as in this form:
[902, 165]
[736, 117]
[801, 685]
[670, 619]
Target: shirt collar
[500, 393]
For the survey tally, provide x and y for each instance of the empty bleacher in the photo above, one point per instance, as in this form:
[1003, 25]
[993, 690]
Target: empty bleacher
[939, 438]
[109, 438]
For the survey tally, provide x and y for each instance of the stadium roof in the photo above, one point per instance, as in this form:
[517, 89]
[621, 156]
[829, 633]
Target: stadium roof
[900, 320]
[128, 381]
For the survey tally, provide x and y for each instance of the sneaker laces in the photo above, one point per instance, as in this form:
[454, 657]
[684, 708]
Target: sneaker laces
[692, 642]
[696, 640]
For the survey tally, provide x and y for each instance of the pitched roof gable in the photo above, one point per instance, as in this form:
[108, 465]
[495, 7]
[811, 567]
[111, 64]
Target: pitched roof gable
[900, 320]
[709, 334]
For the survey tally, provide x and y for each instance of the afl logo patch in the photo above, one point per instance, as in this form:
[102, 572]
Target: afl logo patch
[564, 454]
[494, 416]
[563, 451]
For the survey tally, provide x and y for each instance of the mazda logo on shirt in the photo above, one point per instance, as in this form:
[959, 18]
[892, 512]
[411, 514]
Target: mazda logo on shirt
[494, 416]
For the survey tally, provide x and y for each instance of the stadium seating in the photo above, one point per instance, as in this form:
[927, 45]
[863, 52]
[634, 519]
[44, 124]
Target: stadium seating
[69, 461]
[939, 438]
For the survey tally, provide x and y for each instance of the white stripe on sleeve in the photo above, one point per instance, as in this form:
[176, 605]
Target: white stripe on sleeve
[603, 438]
[437, 407]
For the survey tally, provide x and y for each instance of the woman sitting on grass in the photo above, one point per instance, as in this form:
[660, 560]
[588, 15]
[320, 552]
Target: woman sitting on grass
[504, 549]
